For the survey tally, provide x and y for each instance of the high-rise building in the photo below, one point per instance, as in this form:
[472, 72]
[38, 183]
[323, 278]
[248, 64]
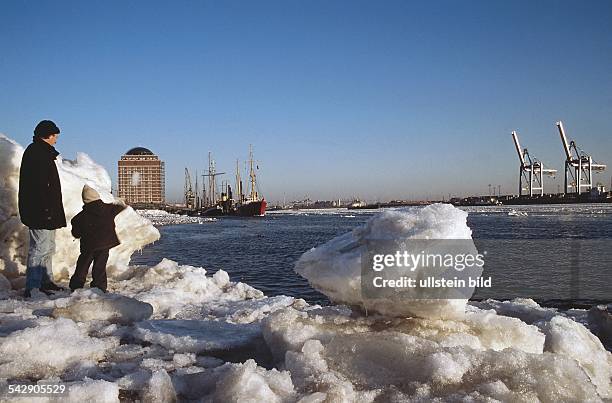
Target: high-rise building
[141, 180]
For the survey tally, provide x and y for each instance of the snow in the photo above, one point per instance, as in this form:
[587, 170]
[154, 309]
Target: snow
[249, 383]
[93, 391]
[197, 336]
[49, 349]
[171, 288]
[242, 382]
[330, 352]
[84, 391]
[569, 338]
[90, 304]
[175, 332]
[160, 388]
[335, 267]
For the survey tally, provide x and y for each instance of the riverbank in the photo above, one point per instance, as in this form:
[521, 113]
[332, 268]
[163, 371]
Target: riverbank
[171, 331]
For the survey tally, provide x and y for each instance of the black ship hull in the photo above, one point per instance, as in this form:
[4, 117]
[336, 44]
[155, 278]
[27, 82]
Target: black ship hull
[252, 209]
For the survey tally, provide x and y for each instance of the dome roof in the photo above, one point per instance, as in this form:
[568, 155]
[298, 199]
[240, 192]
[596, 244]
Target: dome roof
[139, 151]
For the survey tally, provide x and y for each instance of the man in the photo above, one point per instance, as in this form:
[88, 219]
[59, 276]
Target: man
[40, 206]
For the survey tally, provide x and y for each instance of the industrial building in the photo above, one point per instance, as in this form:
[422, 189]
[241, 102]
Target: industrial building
[141, 178]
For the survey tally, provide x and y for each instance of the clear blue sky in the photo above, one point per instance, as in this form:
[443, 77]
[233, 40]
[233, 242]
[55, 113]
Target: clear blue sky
[390, 99]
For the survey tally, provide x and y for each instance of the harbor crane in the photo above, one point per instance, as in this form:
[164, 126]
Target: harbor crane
[189, 195]
[579, 166]
[532, 171]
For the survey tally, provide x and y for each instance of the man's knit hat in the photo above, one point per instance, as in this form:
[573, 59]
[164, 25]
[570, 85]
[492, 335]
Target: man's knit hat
[89, 194]
[46, 128]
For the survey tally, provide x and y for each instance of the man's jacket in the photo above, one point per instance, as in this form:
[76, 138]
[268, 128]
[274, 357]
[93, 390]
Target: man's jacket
[40, 192]
[95, 225]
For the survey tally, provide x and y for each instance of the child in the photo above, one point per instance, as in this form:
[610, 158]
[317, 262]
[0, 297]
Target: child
[95, 225]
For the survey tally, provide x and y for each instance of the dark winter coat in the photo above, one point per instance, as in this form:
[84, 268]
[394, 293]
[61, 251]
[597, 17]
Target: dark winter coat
[95, 225]
[40, 192]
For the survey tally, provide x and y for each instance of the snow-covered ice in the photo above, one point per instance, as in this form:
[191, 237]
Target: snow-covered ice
[49, 349]
[335, 268]
[197, 336]
[91, 304]
[171, 288]
[485, 356]
[174, 332]
[160, 217]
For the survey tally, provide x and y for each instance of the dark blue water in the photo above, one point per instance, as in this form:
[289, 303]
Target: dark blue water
[259, 251]
[549, 254]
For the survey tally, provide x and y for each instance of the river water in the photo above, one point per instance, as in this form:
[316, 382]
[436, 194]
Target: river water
[542, 252]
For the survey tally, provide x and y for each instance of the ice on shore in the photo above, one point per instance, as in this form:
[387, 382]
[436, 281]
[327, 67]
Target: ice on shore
[320, 353]
[160, 217]
[170, 331]
[197, 336]
[246, 382]
[485, 356]
[88, 305]
[335, 267]
[569, 338]
[49, 349]
[171, 288]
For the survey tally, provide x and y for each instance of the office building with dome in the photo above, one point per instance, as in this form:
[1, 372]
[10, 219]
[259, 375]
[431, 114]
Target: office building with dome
[141, 178]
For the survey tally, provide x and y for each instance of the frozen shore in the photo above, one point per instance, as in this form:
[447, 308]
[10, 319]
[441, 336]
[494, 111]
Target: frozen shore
[170, 332]
[159, 218]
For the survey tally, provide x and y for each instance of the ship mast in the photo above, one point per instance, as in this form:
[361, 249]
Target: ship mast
[253, 195]
[211, 180]
[212, 185]
[238, 183]
[196, 195]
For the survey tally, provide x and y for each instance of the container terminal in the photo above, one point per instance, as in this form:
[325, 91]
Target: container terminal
[579, 186]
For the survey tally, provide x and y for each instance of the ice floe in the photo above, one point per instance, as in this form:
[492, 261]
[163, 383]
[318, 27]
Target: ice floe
[160, 218]
[49, 349]
[87, 305]
[335, 268]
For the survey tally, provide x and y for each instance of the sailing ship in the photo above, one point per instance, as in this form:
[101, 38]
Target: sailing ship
[243, 205]
[251, 205]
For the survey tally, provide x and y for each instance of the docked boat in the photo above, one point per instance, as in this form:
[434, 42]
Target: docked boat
[251, 204]
[252, 209]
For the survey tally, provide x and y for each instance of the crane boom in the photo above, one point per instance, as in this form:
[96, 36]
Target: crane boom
[519, 150]
[189, 196]
[566, 146]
